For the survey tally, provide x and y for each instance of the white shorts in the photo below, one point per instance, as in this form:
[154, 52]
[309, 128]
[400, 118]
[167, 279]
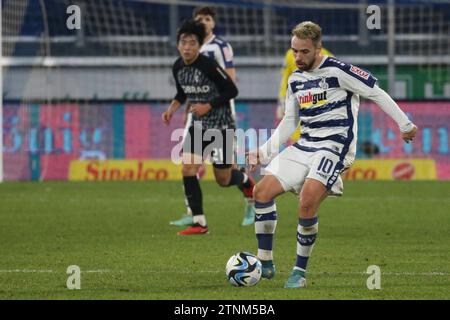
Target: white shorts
[293, 166]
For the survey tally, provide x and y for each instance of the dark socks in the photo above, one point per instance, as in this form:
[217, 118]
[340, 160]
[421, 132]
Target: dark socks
[237, 179]
[193, 194]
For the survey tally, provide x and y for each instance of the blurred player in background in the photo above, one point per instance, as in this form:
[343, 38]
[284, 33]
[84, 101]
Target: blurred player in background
[201, 81]
[289, 67]
[323, 96]
[218, 49]
[215, 47]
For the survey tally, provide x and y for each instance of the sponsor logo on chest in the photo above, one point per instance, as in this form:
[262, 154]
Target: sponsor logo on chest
[309, 99]
[196, 89]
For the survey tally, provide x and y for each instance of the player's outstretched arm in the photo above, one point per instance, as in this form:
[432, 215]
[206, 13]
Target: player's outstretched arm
[366, 87]
[284, 130]
[407, 128]
[410, 135]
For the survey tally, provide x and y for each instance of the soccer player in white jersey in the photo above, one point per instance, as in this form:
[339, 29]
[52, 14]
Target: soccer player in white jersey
[218, 49]
[215, 47]
[323, 95]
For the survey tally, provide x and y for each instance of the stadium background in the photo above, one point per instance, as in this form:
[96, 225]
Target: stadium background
[74, 98]
[97, 93]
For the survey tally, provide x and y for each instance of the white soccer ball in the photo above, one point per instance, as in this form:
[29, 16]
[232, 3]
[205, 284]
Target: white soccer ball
[243, 269]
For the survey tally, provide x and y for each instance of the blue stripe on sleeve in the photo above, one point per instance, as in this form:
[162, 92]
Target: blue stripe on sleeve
[369, 80]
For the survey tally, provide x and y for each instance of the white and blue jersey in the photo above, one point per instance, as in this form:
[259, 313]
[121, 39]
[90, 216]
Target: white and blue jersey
[325, 101]
[219, 50]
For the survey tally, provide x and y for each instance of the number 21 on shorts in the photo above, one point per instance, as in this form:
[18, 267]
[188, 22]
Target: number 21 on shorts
[217, 155]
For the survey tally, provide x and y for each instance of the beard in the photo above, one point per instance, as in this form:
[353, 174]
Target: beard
[305, 67]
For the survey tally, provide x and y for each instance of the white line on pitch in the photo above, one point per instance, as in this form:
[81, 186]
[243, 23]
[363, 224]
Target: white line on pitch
[428, 274]
[26, 271]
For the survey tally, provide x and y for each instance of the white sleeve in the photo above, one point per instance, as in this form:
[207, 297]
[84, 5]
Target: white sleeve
[228, 56]
[377, 95]
[284, 130]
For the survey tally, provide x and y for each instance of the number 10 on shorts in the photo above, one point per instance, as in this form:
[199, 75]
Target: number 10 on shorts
[325, 165]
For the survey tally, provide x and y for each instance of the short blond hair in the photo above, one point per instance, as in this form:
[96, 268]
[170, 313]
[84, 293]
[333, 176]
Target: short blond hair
[308, 30]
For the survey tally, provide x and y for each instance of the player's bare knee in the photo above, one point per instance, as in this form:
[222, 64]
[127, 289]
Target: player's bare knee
[308, 207]
[260, 194]
[223, 181]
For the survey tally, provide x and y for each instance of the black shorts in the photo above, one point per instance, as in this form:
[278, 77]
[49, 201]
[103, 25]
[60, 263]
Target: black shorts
[217, 144]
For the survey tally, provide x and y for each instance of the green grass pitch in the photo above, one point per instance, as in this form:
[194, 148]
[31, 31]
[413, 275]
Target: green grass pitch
[118, 234]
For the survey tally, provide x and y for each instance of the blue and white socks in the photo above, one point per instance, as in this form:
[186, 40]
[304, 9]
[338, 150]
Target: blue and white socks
[306, 237]
[265, 225]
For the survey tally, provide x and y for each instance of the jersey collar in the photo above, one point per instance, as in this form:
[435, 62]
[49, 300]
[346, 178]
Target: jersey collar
[210, 40]
[320, 64]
